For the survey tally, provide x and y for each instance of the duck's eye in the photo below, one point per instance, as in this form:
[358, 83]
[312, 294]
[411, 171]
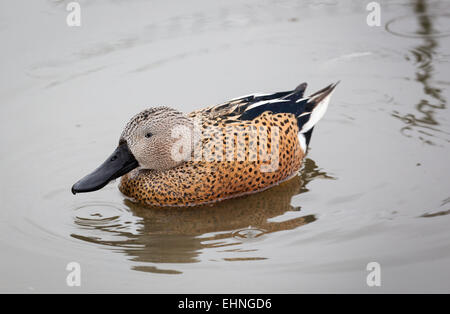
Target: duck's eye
[148, 135]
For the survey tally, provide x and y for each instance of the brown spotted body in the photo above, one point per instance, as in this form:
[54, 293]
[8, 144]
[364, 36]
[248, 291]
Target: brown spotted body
[200, 182]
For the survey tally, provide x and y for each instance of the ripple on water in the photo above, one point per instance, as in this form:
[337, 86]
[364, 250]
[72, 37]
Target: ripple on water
[105, 223]
[412, 25]
[419, 56]
[248, 233]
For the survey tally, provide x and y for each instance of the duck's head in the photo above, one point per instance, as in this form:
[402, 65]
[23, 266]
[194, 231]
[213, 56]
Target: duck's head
[158, 138]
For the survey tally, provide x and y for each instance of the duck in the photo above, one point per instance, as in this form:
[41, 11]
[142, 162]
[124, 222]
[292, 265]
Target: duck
[166, 158]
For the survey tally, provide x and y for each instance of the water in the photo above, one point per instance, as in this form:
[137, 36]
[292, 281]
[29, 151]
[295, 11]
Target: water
[374, 187]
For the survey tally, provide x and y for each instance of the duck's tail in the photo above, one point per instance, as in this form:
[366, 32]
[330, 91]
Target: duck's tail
[314, 107]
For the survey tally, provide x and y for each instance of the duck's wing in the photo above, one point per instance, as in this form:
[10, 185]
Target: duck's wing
[308, 110]
[235, 107]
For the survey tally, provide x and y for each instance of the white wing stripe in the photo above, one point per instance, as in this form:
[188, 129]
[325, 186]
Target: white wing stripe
[245, 96]
[264, 102]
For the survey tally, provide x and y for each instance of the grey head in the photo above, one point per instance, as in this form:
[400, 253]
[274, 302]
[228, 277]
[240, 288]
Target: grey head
[153, 137]
[158, 138]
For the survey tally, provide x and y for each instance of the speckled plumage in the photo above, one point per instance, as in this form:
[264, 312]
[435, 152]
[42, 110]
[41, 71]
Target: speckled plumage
[201, 181]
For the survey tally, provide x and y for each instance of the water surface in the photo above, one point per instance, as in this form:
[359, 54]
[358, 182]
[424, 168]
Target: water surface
[374, 187]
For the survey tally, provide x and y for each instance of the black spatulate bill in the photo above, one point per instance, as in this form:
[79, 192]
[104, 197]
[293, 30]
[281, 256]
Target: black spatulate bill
[119, 163]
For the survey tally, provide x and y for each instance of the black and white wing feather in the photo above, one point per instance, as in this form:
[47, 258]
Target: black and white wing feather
[308, 110]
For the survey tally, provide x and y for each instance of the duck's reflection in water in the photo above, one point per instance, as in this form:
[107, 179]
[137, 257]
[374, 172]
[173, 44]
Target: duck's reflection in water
[178, 235]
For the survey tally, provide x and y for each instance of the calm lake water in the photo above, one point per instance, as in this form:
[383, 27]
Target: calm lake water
[375, 185]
